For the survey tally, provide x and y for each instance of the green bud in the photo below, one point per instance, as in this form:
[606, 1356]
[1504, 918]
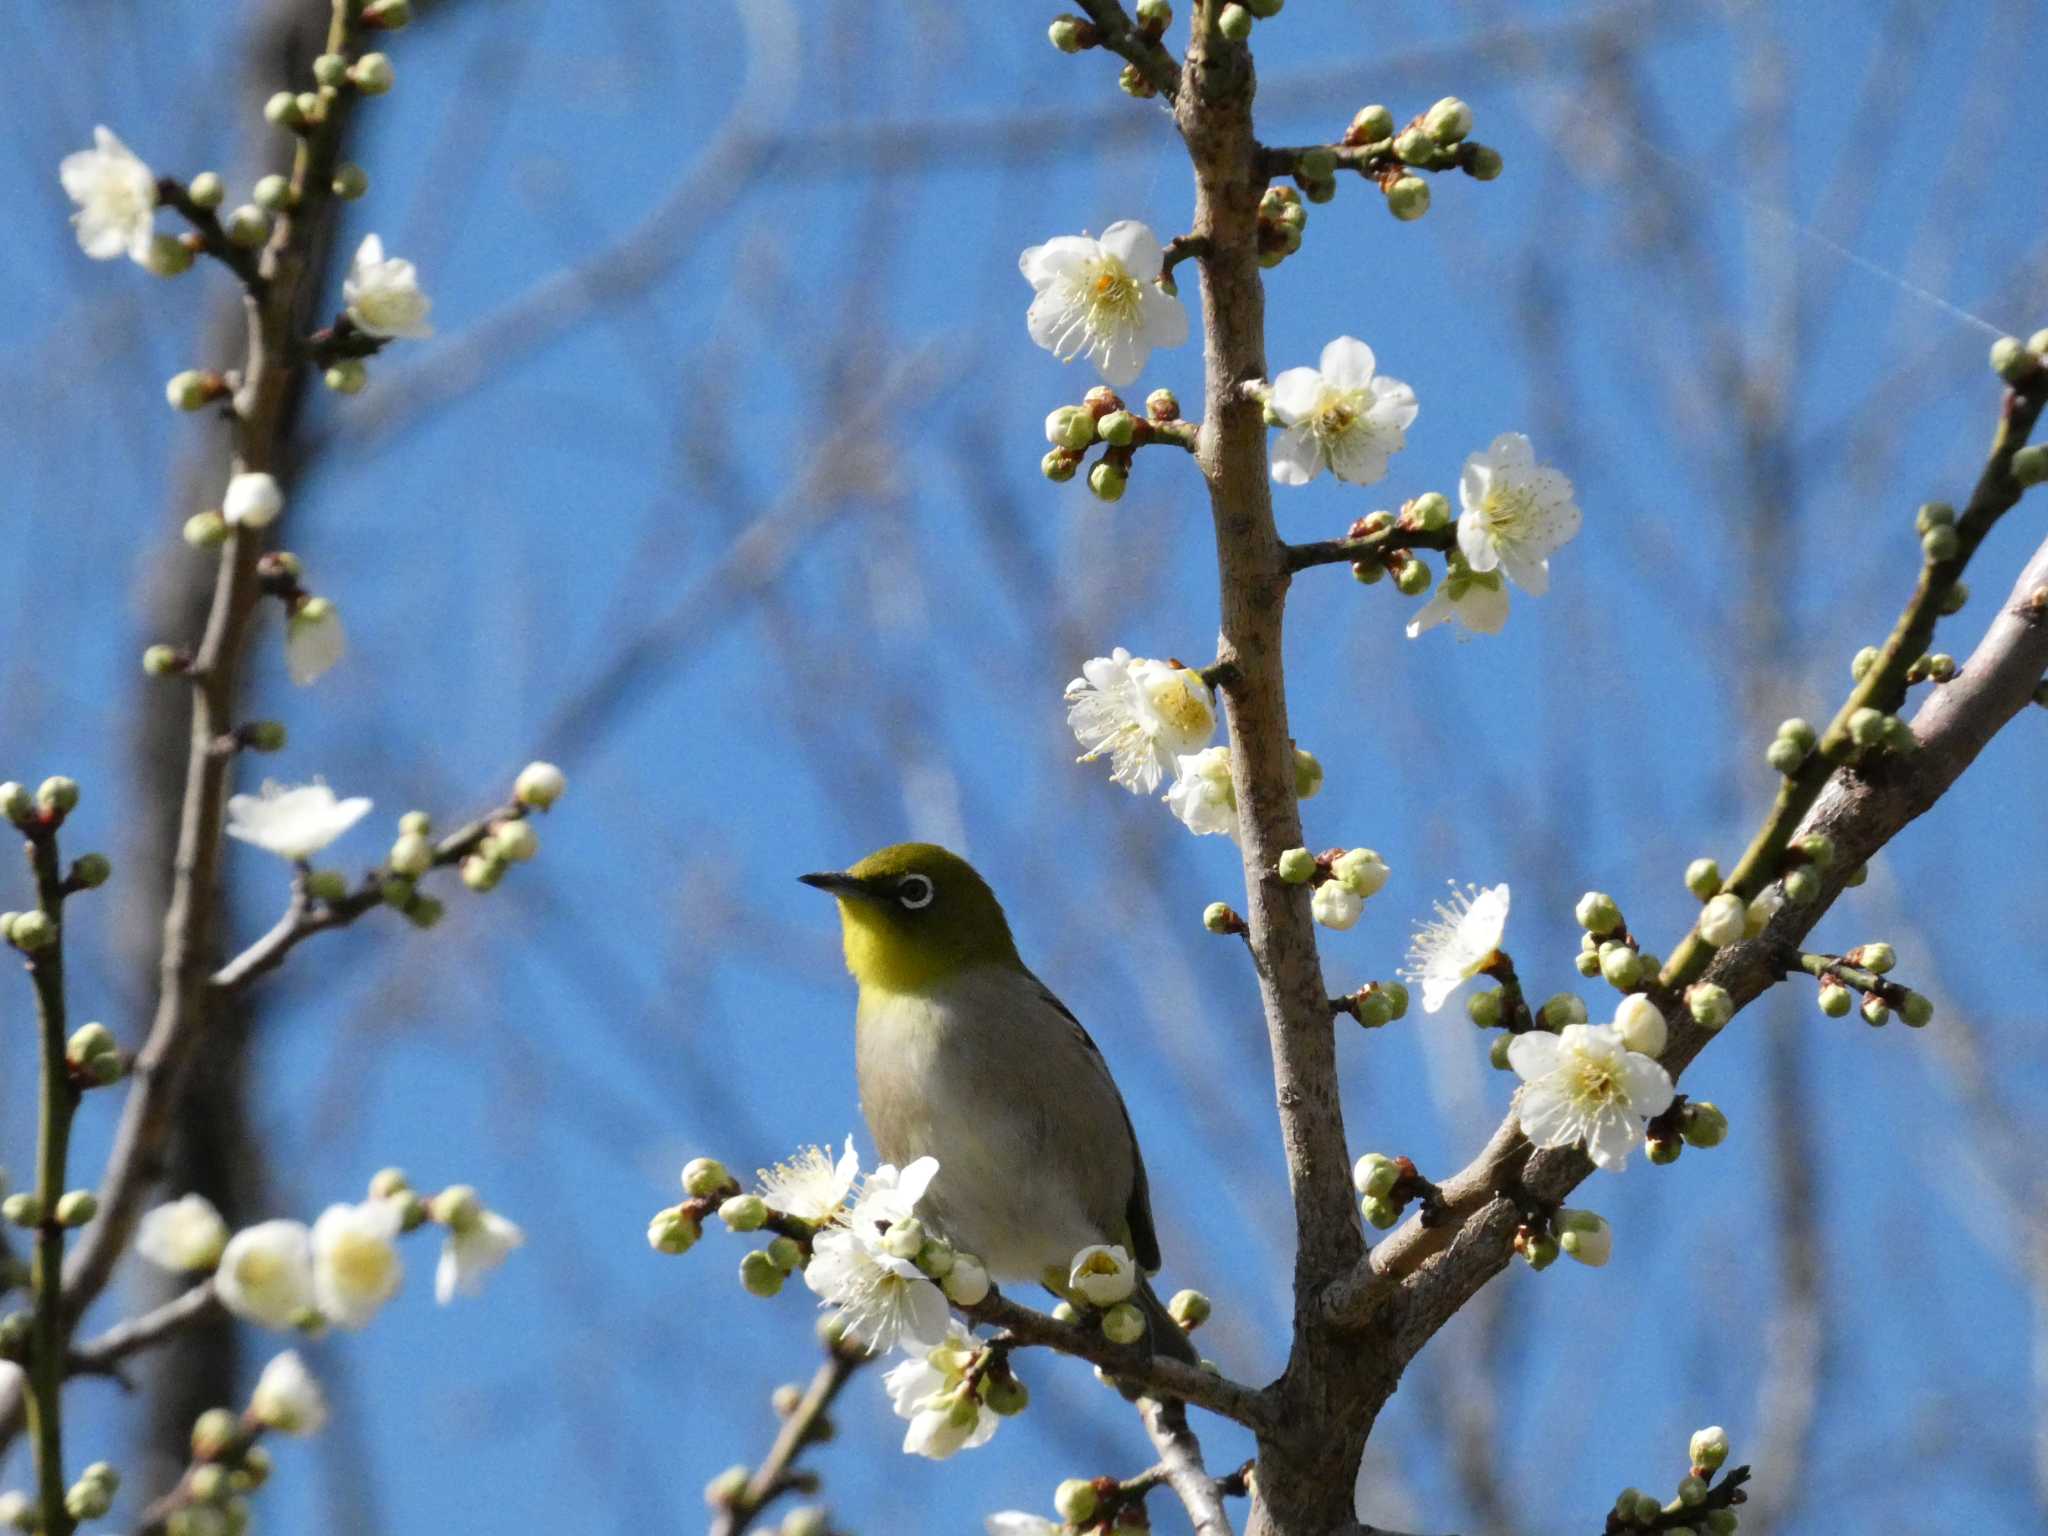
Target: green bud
[87, 1500]
[351, 181]
[1940, 544]
[1703, 878]
[1448, 121]
[1430, 511]
[282, 110]
[1235, 23]
[1264, 10]
[1190, 1309]
[1483, 1008]
[1835, 999]
[1598, 913]
[91, 870]
[411, 855]
[346, 377]
[744, 1213]
[212, 1433]
[1801, 886]
[1702, 1124]
[1066, 33]
[1371, 124]
[1622, 966]
[1663, 1151]
[1941, 666]
[1414, 146]
[1917, 1010]
[1123, 1324]
[1381, 1213]
[1722, 1522]
[1784, 756]
[1374, 1175]
[1866, 726]
[1861, 663]
[1107, 480]
[2038, 343]
[247, 226]
[22, 1209]
[57, 795]
[2011, 361]
[1408, 198]
[760, 1274]
[1070, 427]
[1064, 1312]
[272, 193]
[1059, 465]
[1710, 1004]
[162, 661]
[193, 390]
[2030, 465]
[1117, 428]
[1482, 162]
[264, 735]
[1396, 996]
[1879, 957]
[387, 15]
[1857, 876]
[1709, 1448]
[371, 74]
[806, 1520]
[75, 1207]
[706, 1177]
[934, 1256]
[327, 885]
[1560, 1009]
[1005, 1394]
[206, 530]
[31, 931]
[1218, 917]
[1818, 848]
[1692, 1492]
[1367, 572]
[1075, 1500]
[673, 1230]
[397, 891]
[1323, 191]
[1933, 514]
[1587, 962]
[727, 1487]
[1162, 405]
[1296, 866]
[1876, 1012]
[88, 1042]
[1497, 1054]
[1308, 775]
[1799, 732]
[481, 874]
[1414, 578]
[206, 189]
[1954, 598]
[1540, 1252]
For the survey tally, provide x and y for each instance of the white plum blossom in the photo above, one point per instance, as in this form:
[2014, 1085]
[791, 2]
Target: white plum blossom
[1102, 1275]
[1451, 949]
[1202, 795]
[287, 1398]
[253, 499]
[884, 1298]
[356, 1268]
[183, 1234]
[383, 295]
[1641, 1025]
[313, 641]
[811, 1186]
[1517, 513]
[293, 822]
[1100, 299]
[1336, 906]
[1478, 600]
[476, 1244]
[1341, 416]
[930, 1391]
[1583, 1085]
[116, 197]
[266, 1274]
[1142, 714]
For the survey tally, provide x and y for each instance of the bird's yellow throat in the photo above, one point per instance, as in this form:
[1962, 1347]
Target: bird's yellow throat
[880, 959]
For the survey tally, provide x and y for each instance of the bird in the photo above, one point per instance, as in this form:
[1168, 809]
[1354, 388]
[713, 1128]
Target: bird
[965, 1056]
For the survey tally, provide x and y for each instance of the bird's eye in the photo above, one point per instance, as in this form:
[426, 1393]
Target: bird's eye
[914, 891]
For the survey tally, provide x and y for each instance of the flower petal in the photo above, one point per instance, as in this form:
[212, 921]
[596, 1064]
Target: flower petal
[1134, 244]
[1347, 363]
[1297, 458]
[1295, 393]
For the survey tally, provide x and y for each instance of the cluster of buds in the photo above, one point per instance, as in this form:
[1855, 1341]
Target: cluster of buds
[2021, 363]
[43, 810]
[1862, 970]
[1343, 880]
[1687, 1123]
[1392, 555]
[1100, 1283]
[1101, 417]
[1375, 1004]
[1607, 949]
[227, 1466]
[1583, 1236]
[1235, 20]
[1385, 1185]
[25, 1209]
[92, 1058]
[1702, 1506]
[1433, 141]
[1282, 218]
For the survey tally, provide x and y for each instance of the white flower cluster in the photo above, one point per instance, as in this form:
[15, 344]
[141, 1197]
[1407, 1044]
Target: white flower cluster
[341, 1270]
[1152, 719]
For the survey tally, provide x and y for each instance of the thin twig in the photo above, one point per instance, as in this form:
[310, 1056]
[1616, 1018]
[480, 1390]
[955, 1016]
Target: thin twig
[805, 1424]
[1180, 1460]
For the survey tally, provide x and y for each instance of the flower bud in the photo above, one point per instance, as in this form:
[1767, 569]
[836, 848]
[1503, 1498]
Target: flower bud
[1861, 663]
[1235, 22]
[1784, 755]
[1408, 198]
[1641, 1024]
[1107, 480]
[1059, 465]
[1308, 775]
[539, 785]
[31, 931]
[1482, 162]
[1879, 957]
[87, 1499]
[1218, 917]
[22, 1209]
[206, 530]
[806, 1520]
[1123, 1324]
[1414, 146]
[346, 377]
[282, 110]
[2011, 361]
[1876, 1011]
[1722, 920]
[1583, 1235]
[705, 1177]
[1703, 878]
[91, 871]
[1296, 865]
[410, 855]
[1070, 427]
[387, 15]
[1075, 1500]
[1663, 1150]
[1598, 913]
[727, 1487]
[479, 873]
[1374, 1175]
[1917, 1010]
[193, 390]
[2030, 465]
[515, 841]
[1710, 1004]
[351, 181]
[1702, 1124]
[272, 193]
[1066, 34]
[1413, 578]
[1497, 1054]
[213, 1432]
[1866, 726]
[673, 1230]
[1190, 1309]
[1382, 1213]
[1371, 124]
[1588, 962]
[1117, 428]
[1835, 999]
[744, 1213]
[1560, 1009]
[1430, 511]
[1709, 1448]
[246, 226]
[253, 500]
[760, 1274]
[1372, 1008]
[371, 74]
[1955, 597]
[1622, 966]
[1361, 871]
[1540, 1252]
[1005, 1394]
[1483, 1008]
[1448, 121]
[967, 1281]
[1939, 544]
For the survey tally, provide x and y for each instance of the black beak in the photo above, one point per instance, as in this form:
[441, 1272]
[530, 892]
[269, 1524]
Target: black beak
[833, 882]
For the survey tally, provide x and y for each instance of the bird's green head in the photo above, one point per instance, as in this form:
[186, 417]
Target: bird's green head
[913, 914]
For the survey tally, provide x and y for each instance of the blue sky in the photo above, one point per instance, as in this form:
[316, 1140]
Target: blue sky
[820, 338]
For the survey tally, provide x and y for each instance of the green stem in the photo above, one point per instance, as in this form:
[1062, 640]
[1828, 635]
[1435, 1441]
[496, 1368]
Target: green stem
[50, 1335]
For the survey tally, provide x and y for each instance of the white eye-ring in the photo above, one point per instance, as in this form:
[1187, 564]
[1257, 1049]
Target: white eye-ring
[915, 891]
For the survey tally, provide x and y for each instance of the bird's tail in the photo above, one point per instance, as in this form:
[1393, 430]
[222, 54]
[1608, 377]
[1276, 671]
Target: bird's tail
[1168, 1337]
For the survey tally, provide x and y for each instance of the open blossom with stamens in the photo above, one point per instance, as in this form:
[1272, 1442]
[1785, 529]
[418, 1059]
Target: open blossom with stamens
[1100, 299]
[1518, 513]
[811, 1186]
[1583, 1085]
[383, 294]
[930, 1391]
[884, 1298]
[116, 197]
[293, 823]
[1203, 796]
[1340, 415]
[1478, 600]
[1142, 714]
[1451, 949]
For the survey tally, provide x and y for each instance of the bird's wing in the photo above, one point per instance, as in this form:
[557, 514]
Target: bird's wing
[1144, 1236]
